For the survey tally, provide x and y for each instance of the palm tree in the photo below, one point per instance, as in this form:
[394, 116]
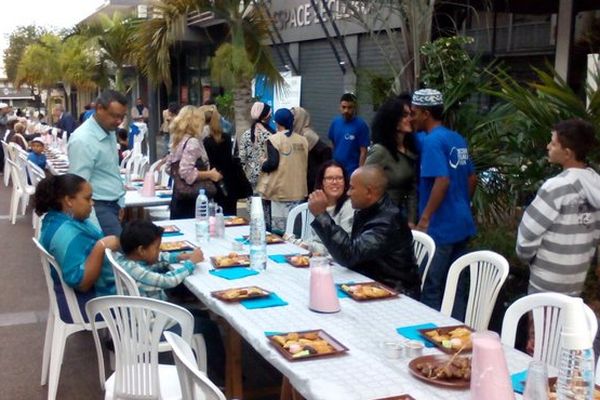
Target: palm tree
[236, 61]
[112, 37]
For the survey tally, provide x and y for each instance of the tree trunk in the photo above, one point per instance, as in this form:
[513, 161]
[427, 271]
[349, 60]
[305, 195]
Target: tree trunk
[119, 84]
[242, 97]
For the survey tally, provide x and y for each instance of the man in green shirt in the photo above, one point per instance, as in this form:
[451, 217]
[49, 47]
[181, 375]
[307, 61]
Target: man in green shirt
[93, 155]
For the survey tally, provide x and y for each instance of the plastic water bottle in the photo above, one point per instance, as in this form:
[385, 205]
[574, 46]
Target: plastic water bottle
[202, 235]
[576, 367]
[219, 223]
[258, 244]
[212, 206]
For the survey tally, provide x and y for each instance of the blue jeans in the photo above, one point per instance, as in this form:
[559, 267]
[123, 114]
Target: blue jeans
[107, 213]
[435, 281]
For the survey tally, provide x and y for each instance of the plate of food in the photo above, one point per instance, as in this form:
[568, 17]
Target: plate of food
[442, 370]
[235, 221]
[450, 339]
[179, 245]
[295, 346]
[270, 238]
[578, 389]
[401, 397]
[239, 294]
[231, 260]
[170, 229]
[298, 260]
[368, 291]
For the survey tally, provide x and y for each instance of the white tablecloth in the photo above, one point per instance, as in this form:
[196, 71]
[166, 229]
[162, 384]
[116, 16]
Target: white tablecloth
[364, 373]
[133, 198]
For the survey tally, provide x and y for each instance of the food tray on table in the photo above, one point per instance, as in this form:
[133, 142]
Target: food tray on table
[366, 291]
[442, 370]
[298, 260]
[170, 229]
[305, 345]
[270, 238]
[231, 260]
[179, 245]
[450, 339]
[239, 294]
[401, 397]
[235, 221]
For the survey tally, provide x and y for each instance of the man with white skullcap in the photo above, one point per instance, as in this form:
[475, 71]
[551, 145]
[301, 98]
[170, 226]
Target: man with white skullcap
[447, 182]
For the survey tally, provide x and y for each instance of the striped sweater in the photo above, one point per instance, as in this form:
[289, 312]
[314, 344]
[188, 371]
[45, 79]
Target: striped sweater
[560, 230]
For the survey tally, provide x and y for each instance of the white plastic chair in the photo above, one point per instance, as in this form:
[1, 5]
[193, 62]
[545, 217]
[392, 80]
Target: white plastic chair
[136, 325]
[548, 320]
[7, 156]
[20, 192]
[424, 250]
[488, 271]
[305, 218]
[58, 330]
[191, 379]
[36, 174]
[126, 286]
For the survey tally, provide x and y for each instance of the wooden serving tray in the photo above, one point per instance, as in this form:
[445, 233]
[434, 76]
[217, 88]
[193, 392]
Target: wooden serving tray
[255, 292]
[445, 331]
[352, 289]
[338, 348]
[179, 245]
[241, 260]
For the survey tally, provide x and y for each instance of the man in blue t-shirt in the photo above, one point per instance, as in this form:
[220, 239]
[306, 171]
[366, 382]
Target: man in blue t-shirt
[447, 183]
[349, 135]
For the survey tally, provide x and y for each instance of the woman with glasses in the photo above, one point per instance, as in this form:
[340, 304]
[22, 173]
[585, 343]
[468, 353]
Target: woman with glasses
[394, 150]
[332, 179]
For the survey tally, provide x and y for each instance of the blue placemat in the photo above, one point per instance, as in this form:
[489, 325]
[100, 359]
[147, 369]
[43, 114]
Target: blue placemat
[171, 234]
[340, 293]
[271, 333]
[164, 195]
[233, 273]
[412, 332]
[242, 240]
[518, 381]
[271, 300]
[278, 258]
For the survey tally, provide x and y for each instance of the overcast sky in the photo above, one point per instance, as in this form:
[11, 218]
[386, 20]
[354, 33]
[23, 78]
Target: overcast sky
[46, 13]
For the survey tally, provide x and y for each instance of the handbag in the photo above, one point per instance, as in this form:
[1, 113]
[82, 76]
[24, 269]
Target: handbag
[184, 191]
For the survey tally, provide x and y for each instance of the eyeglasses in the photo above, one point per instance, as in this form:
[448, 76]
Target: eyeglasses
[331, 179]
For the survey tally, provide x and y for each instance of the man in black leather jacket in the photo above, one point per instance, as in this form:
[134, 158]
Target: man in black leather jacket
[380, 245]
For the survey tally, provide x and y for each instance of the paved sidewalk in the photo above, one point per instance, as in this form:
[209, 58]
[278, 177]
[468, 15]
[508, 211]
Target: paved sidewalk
[23, 313]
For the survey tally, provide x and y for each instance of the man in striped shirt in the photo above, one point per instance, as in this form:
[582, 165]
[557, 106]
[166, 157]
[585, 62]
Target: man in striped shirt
[560, 229]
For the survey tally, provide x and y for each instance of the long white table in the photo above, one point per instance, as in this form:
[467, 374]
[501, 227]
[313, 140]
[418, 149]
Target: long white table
[133, 198]
[364, 373]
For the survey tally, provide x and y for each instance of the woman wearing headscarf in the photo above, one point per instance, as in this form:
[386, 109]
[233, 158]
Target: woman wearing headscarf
[318, 151]
[283, 177]
[252, 146]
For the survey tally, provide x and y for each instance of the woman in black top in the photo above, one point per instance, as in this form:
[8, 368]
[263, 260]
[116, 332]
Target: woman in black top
[218, 146]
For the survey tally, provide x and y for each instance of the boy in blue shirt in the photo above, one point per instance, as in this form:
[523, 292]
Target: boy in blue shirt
[37, 155]
[349, 135]
[447, 183]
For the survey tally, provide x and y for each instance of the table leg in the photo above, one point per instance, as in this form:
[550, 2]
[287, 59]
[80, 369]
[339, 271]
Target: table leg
[288, 392]
[233, 364]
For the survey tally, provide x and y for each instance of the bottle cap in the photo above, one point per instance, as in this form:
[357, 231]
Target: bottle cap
[202, 191]
[575, 333]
